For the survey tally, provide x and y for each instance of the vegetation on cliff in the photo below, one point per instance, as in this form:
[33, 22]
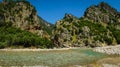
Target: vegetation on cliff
[15, 38]
[98, 27]
[21, 26]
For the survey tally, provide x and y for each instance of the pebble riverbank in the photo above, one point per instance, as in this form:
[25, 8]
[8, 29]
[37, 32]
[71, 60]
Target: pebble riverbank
[108, 49]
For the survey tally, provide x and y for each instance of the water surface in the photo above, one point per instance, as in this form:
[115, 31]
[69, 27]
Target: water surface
[54, 58]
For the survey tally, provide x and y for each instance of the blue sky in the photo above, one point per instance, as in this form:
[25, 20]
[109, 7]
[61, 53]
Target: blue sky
[53, 10]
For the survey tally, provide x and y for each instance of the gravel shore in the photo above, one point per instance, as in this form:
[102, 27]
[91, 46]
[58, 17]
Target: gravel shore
[33, 49]
[27, 49]
[108, 49]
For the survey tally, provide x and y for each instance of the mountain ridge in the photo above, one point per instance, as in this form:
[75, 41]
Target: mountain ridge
[21, 21]
[98, 27]
[20, 25]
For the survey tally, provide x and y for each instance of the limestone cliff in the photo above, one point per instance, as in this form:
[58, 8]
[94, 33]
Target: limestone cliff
[23, 15]
[20, 26]
[103, 13]
[98, 27]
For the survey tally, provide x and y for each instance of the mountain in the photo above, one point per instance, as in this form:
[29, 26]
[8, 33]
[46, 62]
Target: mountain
[103, 13]
[100, 26]
[46, 26]
[21, 26]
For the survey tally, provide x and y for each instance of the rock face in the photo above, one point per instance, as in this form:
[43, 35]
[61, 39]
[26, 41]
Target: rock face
[23, 15]
[72, 32]
[20, 26]
[102, 13]
[65, 32]
[98, 27]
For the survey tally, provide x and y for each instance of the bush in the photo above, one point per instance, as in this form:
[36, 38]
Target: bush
[117, 35]
[3, 45]
[115, 32]
[10, 36]
[108, 40]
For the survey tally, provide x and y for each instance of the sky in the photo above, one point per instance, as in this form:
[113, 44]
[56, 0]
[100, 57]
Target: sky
[54, 10]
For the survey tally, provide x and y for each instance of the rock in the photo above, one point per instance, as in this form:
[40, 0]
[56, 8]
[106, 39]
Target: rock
[98, 27]
[109, 49]
[23, 15]
[110, 65]
[102, 13]
[79, 33]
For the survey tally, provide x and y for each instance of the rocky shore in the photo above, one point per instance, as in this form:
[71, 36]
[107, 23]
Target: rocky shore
[108, 49]
[27, 49]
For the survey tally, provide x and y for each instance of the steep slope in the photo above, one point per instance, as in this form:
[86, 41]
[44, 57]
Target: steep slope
[46, 26]
[104, 14]
[73, 32]
[20, 19]
[24, 16]
[98, 27]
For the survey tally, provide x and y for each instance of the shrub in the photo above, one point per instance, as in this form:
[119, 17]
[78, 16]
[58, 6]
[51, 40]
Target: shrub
[115, 32]
[10, 36]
